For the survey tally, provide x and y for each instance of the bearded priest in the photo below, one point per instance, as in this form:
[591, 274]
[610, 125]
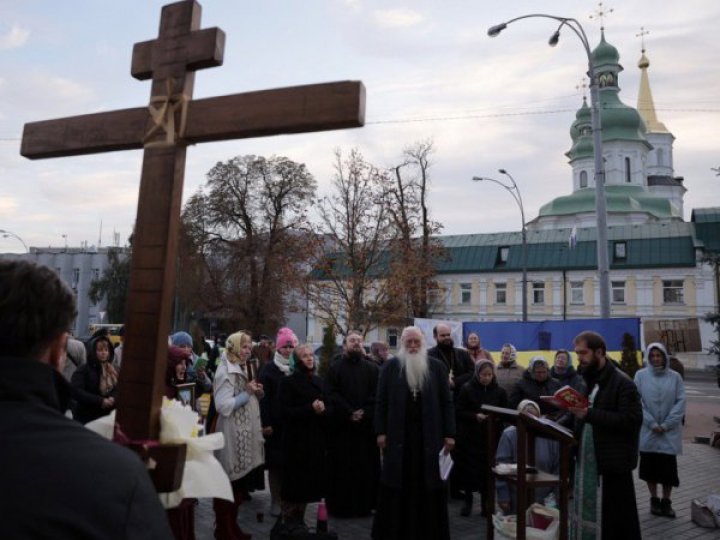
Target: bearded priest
[414, 422]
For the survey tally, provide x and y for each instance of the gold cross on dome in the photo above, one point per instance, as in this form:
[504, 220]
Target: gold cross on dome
[601, 12]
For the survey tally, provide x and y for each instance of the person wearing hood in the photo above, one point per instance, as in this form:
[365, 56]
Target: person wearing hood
[663, 403]
[508, 371]
[95, 383]
[536, 382]
[303, 405]
[547, 459]
[471, 445]
[565, 373]
[271, 375]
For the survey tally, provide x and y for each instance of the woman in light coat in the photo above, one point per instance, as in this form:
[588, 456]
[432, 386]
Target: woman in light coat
[236, 396]
[663, 402]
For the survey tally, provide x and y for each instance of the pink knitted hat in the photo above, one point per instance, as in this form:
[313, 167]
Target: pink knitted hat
[285, 336]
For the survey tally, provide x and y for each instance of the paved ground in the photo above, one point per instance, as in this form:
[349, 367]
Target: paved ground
[699, 475]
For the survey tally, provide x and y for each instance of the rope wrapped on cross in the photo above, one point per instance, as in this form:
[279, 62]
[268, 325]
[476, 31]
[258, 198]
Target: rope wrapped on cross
[162, 111]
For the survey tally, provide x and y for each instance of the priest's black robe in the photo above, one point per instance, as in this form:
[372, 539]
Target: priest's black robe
[353, 455]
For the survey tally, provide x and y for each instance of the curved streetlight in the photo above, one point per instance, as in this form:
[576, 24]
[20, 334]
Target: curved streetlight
[600, 207]
[7, 234]
[515, 192]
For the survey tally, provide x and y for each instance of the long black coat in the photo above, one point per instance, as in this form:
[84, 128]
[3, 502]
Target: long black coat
[471, 446]
[616, 416]
[438, 420]
[270, 413]
[61, 480]
[304, 442]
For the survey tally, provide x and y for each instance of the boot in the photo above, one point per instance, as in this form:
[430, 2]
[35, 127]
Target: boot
[667, 509]
[655, 508]
[467, 504]
[226, 527]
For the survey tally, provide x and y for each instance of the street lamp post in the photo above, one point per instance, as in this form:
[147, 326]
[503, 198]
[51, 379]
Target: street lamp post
[600, 208]
[515, 192]
[7, 234]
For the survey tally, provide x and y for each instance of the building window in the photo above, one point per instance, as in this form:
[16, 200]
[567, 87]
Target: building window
[620, 250]
[435, 297]
[673, 292]
[95, 274]
[576, 292]
[392, 338]
[618, 292]
[502, 255]
[628, 174]
[501, 293]
[583, 179]
[538, 293]
[660, 157]
[75, 278]
[465, 293]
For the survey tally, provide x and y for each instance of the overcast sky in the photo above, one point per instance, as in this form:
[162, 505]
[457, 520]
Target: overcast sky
[430, 71]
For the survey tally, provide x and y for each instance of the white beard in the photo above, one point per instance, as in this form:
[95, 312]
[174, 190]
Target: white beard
[416, 367]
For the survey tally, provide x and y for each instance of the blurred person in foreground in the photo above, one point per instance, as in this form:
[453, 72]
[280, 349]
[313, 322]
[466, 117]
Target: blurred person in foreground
[62, 480]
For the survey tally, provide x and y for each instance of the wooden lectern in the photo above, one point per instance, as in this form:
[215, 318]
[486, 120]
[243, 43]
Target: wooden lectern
[529, 427]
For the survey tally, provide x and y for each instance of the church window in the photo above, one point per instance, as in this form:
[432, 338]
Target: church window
[502, 256]
[660, 157]
[583, 179]
[576, 292]
[465, 293]
[620, 250]
[673, 291]
[75, 278]
[501, 293]
[628, 174]
[538, 293]
[392, 338]
[618, 292]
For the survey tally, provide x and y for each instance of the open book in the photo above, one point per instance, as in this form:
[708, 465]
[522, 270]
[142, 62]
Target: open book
[566, 397]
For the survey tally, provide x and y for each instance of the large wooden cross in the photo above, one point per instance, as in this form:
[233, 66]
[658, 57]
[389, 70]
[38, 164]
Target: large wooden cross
[164, 129]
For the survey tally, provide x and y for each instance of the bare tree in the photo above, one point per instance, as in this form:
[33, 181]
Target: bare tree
[348, 289]
[246, 236]
[415, 248]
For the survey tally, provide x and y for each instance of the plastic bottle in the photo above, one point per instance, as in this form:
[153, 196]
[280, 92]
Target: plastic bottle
[322, 517]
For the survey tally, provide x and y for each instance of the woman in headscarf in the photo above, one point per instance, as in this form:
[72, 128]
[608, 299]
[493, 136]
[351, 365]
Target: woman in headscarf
[547, 459]
[270, 412]
[475, 350]
[303, 406]
[236, 395]
[95, 383]
[663, 401]
[471, 445]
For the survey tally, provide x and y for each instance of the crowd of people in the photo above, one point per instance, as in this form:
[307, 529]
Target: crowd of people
[367, 436]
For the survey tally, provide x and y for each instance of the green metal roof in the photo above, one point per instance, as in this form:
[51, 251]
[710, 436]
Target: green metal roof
[707, 227]
[647, 246]
[656, 245]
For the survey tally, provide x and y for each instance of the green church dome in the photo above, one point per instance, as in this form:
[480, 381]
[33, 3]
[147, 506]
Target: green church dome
[605, 54]
[619, 199]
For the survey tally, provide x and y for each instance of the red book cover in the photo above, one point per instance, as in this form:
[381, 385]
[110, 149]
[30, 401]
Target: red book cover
[566, 397]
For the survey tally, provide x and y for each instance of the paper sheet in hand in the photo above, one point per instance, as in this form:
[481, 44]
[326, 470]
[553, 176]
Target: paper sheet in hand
[445, 461]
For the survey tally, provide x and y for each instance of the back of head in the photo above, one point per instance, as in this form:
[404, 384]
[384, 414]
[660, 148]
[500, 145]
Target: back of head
[35, 308]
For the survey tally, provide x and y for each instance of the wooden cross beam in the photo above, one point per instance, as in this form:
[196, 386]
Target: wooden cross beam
[164, 129]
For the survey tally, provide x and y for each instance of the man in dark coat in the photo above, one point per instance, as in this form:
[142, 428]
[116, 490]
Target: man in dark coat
[609, 431]
[61, 480]
[353, 457]
[457, 361]
[415, 421]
